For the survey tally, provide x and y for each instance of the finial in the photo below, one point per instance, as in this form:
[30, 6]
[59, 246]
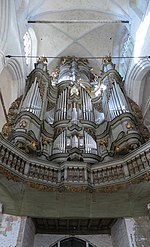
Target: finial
[107, 59]
[42, 59]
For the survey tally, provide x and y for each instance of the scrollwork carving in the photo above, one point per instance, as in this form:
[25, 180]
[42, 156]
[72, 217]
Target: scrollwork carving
[139, 118]
[12, 114]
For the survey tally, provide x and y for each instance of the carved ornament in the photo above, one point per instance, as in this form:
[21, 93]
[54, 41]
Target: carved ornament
[104, 141]
[42, 59]
[12, 114]
[23, 124]
[139, 118]
[129, 125]
[106, 59]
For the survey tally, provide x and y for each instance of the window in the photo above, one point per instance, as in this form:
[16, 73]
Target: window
[27, 46]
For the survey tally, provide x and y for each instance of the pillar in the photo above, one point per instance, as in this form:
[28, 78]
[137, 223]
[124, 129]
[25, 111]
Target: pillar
[131, 232]
[16, 231]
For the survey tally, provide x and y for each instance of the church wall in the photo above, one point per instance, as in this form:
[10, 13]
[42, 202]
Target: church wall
[16, 231]
[138, 230]
[131, 232]
[12, 72]
[119, 234]
[138, 68]
[9, 231]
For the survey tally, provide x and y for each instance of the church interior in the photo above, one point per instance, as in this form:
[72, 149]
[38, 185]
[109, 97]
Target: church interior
[75, 123]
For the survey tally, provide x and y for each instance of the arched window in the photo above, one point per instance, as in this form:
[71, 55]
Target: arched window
[30, 47]
[27, 46]
[72, 242]
[126, 45]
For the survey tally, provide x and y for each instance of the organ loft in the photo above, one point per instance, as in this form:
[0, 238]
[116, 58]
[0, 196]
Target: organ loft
[74, 123]
[70, 122]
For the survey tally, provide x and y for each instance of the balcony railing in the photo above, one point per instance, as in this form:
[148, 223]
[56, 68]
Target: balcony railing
[135, 167]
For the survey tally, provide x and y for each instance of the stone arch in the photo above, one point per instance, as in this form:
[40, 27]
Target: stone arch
[121, 35]
[11, 84]
[17, 76]
[138, 88]
[134, 80]
[5, 19]
[2, 61]
[145, 99]
[33, 40]
[83, 240]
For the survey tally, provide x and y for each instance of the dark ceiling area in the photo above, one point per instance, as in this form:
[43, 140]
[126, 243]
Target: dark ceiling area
[73, 226]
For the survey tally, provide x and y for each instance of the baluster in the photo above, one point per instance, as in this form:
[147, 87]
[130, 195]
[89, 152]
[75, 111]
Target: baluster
[121, 172]
[46, 174]
[146, 156]
[130, 167]
[30, 170]
[50, 175]
[22, 166]
[115, 172]
[100, 176]
[14, 162]
[36, 172]
[18, 164]
[95, 176]
[9, 163]
[144, 160]
[62, 174]
[147, 153]
[139, 162]
[6, 157]
[135, 166]
[126, 169]
[2, 154]
[104, 175]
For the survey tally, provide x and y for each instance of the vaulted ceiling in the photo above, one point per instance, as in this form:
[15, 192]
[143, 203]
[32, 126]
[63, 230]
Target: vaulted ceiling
[77, 39]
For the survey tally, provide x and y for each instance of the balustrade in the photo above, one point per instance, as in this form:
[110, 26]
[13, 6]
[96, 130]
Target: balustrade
[134, 165]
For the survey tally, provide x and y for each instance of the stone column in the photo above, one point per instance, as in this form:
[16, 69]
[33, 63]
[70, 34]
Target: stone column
[28, 233]
[119, 234]
[9, 230]
[131, 232]
[16, 231]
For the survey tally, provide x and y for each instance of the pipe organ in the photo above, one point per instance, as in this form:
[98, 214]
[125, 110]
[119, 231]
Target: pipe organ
[74, 114]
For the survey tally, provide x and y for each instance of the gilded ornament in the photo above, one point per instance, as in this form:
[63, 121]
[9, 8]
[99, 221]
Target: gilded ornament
[33, 144]
[23, 124]
[107, 59]
[6, 130]
[46, 141]
[129, 125]
[139, 118]
[104, 141]
[12, 113]
[117, 149]
[42, 59]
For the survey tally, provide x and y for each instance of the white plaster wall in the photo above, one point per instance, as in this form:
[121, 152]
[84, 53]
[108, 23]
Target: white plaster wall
[119, 234]
[9, 230]
[12, 70]
[137, 70]
[131, 232]
[16, 231]
[47, 240]
[138, 231]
